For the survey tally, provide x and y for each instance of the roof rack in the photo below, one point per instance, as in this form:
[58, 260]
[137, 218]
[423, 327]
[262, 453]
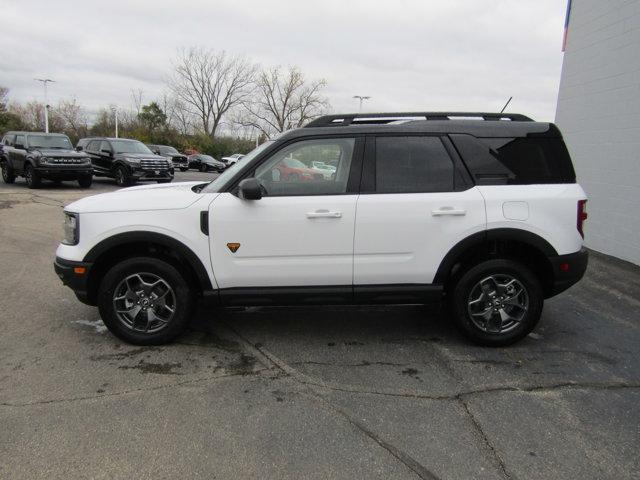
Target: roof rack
[388, 118]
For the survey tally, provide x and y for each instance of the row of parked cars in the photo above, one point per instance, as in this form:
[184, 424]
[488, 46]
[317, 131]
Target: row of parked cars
[38, 156]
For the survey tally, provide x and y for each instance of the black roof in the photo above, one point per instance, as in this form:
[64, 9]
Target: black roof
[480, 124]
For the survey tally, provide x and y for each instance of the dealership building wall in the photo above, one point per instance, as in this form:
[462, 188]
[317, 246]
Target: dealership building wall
[599, 115]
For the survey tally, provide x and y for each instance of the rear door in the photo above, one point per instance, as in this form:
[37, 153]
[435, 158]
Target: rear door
[416, 203]
[300, 233]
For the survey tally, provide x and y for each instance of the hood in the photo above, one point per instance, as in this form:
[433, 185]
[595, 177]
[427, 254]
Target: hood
[57, 152]
[165, 196]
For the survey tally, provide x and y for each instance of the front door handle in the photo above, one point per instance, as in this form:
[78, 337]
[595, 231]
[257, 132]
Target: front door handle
[324, 214]
[448, 211]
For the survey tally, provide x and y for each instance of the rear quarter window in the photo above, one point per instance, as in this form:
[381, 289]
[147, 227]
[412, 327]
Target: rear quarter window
[515, 161]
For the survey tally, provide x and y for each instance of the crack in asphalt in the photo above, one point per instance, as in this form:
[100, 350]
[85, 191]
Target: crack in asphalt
[480, 431]
[181, 383]
[461, 397]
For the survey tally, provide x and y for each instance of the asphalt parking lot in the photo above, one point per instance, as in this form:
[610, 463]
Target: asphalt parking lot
[331, 392]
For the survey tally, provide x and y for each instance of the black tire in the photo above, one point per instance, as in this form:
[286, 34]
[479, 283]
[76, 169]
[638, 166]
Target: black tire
[32, 177]
[123, 179]
[183, 169]
[86, 181]
[168, 180]
[8, 175]
[182, 301]
[469, 286]
[203, 167]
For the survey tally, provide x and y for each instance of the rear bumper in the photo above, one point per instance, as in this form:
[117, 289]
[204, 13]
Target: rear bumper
[568, 270]
[69, 272]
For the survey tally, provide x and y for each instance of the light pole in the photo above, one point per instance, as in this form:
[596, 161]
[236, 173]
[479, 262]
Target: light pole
[44, 82]
[115, 114]
[362, 98]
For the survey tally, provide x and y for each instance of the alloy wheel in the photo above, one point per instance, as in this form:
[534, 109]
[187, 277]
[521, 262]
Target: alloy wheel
[498, 303]
[144, 302]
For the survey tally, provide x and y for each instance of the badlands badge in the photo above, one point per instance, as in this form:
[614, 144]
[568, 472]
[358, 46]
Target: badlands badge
[233, 247]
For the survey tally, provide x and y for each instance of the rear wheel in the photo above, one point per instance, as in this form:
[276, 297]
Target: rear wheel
[183, 169]
[145, 301]
[167, 180]
[123, 179]
[8, 175]
[497, 302]
[32, 177]
[203, 167]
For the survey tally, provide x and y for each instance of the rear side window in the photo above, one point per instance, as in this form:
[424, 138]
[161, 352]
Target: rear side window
[516, 161]
[412, 165]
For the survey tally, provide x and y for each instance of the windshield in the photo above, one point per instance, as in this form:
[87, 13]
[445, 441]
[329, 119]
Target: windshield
[129, 146]
[49, 141]
[219, 182]
[167, 150]
[206, 157]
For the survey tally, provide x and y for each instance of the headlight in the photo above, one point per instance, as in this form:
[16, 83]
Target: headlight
[45, 160]
[71, 228]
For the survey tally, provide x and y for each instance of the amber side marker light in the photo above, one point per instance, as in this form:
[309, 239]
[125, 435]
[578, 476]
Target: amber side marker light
[79, 270]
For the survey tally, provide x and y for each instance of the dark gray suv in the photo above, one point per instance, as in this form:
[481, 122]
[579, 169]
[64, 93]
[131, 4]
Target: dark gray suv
[38, 156]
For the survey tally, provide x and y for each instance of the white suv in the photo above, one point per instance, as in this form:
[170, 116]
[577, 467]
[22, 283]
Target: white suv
[483, 211]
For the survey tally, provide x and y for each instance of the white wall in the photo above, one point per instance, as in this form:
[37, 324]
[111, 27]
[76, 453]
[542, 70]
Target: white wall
[599, 115]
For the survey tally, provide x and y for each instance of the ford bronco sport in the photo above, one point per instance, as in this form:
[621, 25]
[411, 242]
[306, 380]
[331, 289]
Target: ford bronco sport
[40, 156]
[480, 209]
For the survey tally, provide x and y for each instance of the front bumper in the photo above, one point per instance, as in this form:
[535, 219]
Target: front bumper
[74, 275]
[568, 270]
[161, 174]
[64, 172]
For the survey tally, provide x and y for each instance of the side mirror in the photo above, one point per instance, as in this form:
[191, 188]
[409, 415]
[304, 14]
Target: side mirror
[106, 152]
[250, 189]
[78, 148]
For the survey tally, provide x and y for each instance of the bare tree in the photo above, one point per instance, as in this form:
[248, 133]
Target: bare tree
[136, 98]
[283, 100]
[211, 83]
[178, 116]
[74, 118]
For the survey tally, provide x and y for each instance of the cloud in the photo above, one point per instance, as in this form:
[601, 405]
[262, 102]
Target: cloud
[407, 55]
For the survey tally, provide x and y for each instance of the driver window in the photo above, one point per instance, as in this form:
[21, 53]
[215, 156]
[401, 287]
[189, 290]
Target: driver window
[308, 167]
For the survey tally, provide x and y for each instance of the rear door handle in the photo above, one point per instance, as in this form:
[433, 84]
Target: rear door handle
[324, 214]
[448, 211]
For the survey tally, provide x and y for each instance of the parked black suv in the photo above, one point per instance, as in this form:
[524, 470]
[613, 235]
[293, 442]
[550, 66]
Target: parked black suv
[174, 156]
[126, 160]
[37, 156]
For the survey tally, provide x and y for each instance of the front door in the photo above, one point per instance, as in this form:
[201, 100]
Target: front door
[300, 233]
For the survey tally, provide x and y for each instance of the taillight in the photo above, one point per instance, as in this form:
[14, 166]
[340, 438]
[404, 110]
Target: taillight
[582, 215]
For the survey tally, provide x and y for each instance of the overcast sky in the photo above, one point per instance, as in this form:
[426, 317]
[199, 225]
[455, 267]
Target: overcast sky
[407, 55]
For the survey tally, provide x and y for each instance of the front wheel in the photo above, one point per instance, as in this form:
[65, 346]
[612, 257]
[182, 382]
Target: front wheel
[8, 175]
[145, 301]
[123, 179]
[32, 177]
[183, 169]
[203, 167]
[86, 181]
[497, 302]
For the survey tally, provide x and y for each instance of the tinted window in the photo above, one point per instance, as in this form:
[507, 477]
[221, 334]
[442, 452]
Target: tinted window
[104, 145]
[129, 146]
[19, 140]
[291, 171]
[412, 164]
[93, 146]
[517, 161]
